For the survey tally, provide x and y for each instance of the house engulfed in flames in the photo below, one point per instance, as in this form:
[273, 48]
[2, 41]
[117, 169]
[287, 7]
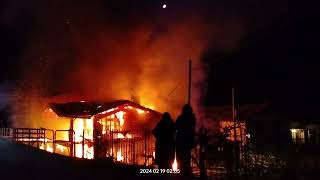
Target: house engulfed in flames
[119, 130]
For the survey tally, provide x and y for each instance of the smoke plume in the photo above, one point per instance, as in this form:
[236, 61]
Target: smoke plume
[102, 51]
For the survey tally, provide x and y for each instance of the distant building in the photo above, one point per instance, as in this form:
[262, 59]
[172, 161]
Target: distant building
[269, 127]
[276, 129]
[222, 116]
[305, 132]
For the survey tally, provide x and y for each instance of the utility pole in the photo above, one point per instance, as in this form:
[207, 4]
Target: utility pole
[233, 117]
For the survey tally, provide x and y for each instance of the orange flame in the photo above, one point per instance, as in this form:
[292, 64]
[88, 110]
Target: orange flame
[83, 129]
[120, 115]
[60, 147]
[140, 111]
[175, 164]
[119, 156]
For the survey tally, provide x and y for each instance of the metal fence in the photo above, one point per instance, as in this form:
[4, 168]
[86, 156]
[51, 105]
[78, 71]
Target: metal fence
[137, 147]
[39, 138]
[129, 146]
[6, 132]
[218, 162]
[134, 147]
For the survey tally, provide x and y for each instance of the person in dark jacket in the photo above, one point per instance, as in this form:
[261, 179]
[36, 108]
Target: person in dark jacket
[164, 132]
[185, 138]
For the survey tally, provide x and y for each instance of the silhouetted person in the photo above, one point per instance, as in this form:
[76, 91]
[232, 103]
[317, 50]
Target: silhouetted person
[164, 133]
[185, 138]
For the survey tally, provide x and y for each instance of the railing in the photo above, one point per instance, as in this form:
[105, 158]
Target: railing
[126, 146]
[64, 138]
[137, 147]
[6, 132]
[33, 137]
[129, 147]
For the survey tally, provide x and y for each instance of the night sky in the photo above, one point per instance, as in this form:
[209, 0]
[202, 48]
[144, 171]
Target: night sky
[277, 64]
[272, 57]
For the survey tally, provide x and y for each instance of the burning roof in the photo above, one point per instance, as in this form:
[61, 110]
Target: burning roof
[84, 109]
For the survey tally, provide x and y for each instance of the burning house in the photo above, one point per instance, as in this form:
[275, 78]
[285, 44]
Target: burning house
[119, 130]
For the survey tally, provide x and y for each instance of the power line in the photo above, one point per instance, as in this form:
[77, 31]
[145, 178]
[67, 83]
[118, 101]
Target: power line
[175, 88]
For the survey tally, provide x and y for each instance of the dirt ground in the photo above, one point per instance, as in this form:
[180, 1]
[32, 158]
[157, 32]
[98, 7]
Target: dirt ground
[19, 161]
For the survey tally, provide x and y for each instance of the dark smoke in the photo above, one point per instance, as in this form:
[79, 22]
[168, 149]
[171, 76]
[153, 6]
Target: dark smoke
[85, 50]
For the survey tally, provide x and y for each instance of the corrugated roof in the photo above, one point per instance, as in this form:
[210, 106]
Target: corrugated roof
[87, 109]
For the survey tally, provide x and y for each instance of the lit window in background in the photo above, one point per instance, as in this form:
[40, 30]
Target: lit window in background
[297, 136]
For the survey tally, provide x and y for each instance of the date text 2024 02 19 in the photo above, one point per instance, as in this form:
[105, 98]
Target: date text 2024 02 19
[159, 171]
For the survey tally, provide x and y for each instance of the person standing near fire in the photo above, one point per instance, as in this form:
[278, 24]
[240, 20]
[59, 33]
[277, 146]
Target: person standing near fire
[164, 133]
[185, 138]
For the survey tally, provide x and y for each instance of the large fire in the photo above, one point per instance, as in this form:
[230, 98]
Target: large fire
[111, 123]
[83, 129]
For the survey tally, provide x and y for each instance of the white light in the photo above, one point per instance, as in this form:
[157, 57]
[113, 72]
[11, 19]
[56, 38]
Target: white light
[293, 130]
[164, 6]
[248, 135]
